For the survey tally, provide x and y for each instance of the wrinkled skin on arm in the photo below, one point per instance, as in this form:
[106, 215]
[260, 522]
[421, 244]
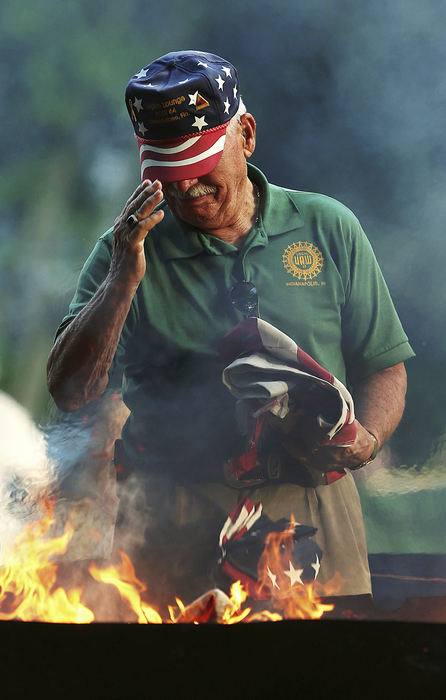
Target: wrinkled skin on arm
[78, 365]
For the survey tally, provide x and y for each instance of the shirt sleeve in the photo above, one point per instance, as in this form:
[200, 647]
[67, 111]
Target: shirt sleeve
[373, 337]
[92, 275]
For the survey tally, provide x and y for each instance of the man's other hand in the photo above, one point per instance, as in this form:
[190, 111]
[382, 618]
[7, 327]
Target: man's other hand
[332, 458]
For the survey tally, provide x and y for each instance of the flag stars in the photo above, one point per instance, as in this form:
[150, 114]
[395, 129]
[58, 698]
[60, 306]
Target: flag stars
[294, 574]
[227, 105]
[220, 82]
[235, 93]
[316, 566]
[142, 129]
[273, 578]
[142, 73]
[199, 123]
[201, 63]
[227, 71]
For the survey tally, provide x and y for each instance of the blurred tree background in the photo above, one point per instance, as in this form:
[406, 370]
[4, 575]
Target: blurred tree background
[350, 100]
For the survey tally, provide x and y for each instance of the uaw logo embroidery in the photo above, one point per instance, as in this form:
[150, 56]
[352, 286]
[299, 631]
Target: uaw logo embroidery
[303, 260]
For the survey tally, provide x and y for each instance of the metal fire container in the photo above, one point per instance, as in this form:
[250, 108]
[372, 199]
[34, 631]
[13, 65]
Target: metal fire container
[332, 658]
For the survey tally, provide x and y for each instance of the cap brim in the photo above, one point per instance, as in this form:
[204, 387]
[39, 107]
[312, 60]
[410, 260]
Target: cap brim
[182, 159]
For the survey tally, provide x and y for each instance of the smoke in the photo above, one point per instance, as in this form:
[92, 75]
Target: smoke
[381, 478]
[26, 472]
[71, 462]
[404, 511]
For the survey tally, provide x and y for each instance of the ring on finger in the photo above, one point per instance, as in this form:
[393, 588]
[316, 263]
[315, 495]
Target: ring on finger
[132, 220]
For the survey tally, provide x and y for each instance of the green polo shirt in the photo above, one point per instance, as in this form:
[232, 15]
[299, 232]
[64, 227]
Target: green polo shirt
[317, 279]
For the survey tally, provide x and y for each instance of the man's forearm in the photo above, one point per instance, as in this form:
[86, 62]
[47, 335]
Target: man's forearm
[379, 401]
[78, 365]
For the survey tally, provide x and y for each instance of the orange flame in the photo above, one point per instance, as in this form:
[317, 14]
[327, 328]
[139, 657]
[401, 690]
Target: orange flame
[123, 577]
[233, 612]
[27, 580]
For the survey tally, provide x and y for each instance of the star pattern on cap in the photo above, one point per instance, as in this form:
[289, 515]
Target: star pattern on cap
[137, 103]
[199, 123]
[220, 82]
[294, 574]
[220, 100]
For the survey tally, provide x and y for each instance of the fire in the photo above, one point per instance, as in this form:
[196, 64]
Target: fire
[234, 612]
[28, 579]
[123, 577]
[29, 590]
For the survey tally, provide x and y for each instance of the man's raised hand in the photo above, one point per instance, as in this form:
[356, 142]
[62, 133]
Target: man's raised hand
[128, 260]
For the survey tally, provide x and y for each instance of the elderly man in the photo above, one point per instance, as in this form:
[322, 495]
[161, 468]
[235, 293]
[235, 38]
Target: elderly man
[153, 301]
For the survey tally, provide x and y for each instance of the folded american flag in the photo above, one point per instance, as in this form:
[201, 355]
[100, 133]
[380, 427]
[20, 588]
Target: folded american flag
[246, 537]
[269, 373]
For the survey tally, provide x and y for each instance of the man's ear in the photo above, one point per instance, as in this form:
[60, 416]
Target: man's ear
[248, 125]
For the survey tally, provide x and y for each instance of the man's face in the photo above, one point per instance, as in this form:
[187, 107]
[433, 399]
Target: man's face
[215, 201]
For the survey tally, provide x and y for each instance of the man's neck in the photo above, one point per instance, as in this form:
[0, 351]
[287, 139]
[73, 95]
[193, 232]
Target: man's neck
[236, 233]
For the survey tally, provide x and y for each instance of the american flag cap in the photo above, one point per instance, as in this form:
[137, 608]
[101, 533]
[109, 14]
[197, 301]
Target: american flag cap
[180, 106]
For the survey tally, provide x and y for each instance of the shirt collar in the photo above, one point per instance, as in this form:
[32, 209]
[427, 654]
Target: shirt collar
[279, 214]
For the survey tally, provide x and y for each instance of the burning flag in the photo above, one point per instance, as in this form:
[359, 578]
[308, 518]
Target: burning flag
[275, 561]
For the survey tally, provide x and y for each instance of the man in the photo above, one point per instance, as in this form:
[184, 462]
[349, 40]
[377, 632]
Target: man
[153, 302]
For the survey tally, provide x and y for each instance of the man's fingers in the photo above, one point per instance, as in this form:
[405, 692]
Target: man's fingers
[141, 229]
[131, 228]
[146, 217]
[153, 197]
[136, 193]
[138, 216]
[149, 196]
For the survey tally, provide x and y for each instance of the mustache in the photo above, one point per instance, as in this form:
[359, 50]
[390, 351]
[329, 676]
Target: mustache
[197, 190]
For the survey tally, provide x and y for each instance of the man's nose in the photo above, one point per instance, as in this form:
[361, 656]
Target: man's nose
[183, 185]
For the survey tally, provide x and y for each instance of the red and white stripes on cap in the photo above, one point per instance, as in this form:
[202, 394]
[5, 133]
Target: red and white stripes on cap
[182, 158]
